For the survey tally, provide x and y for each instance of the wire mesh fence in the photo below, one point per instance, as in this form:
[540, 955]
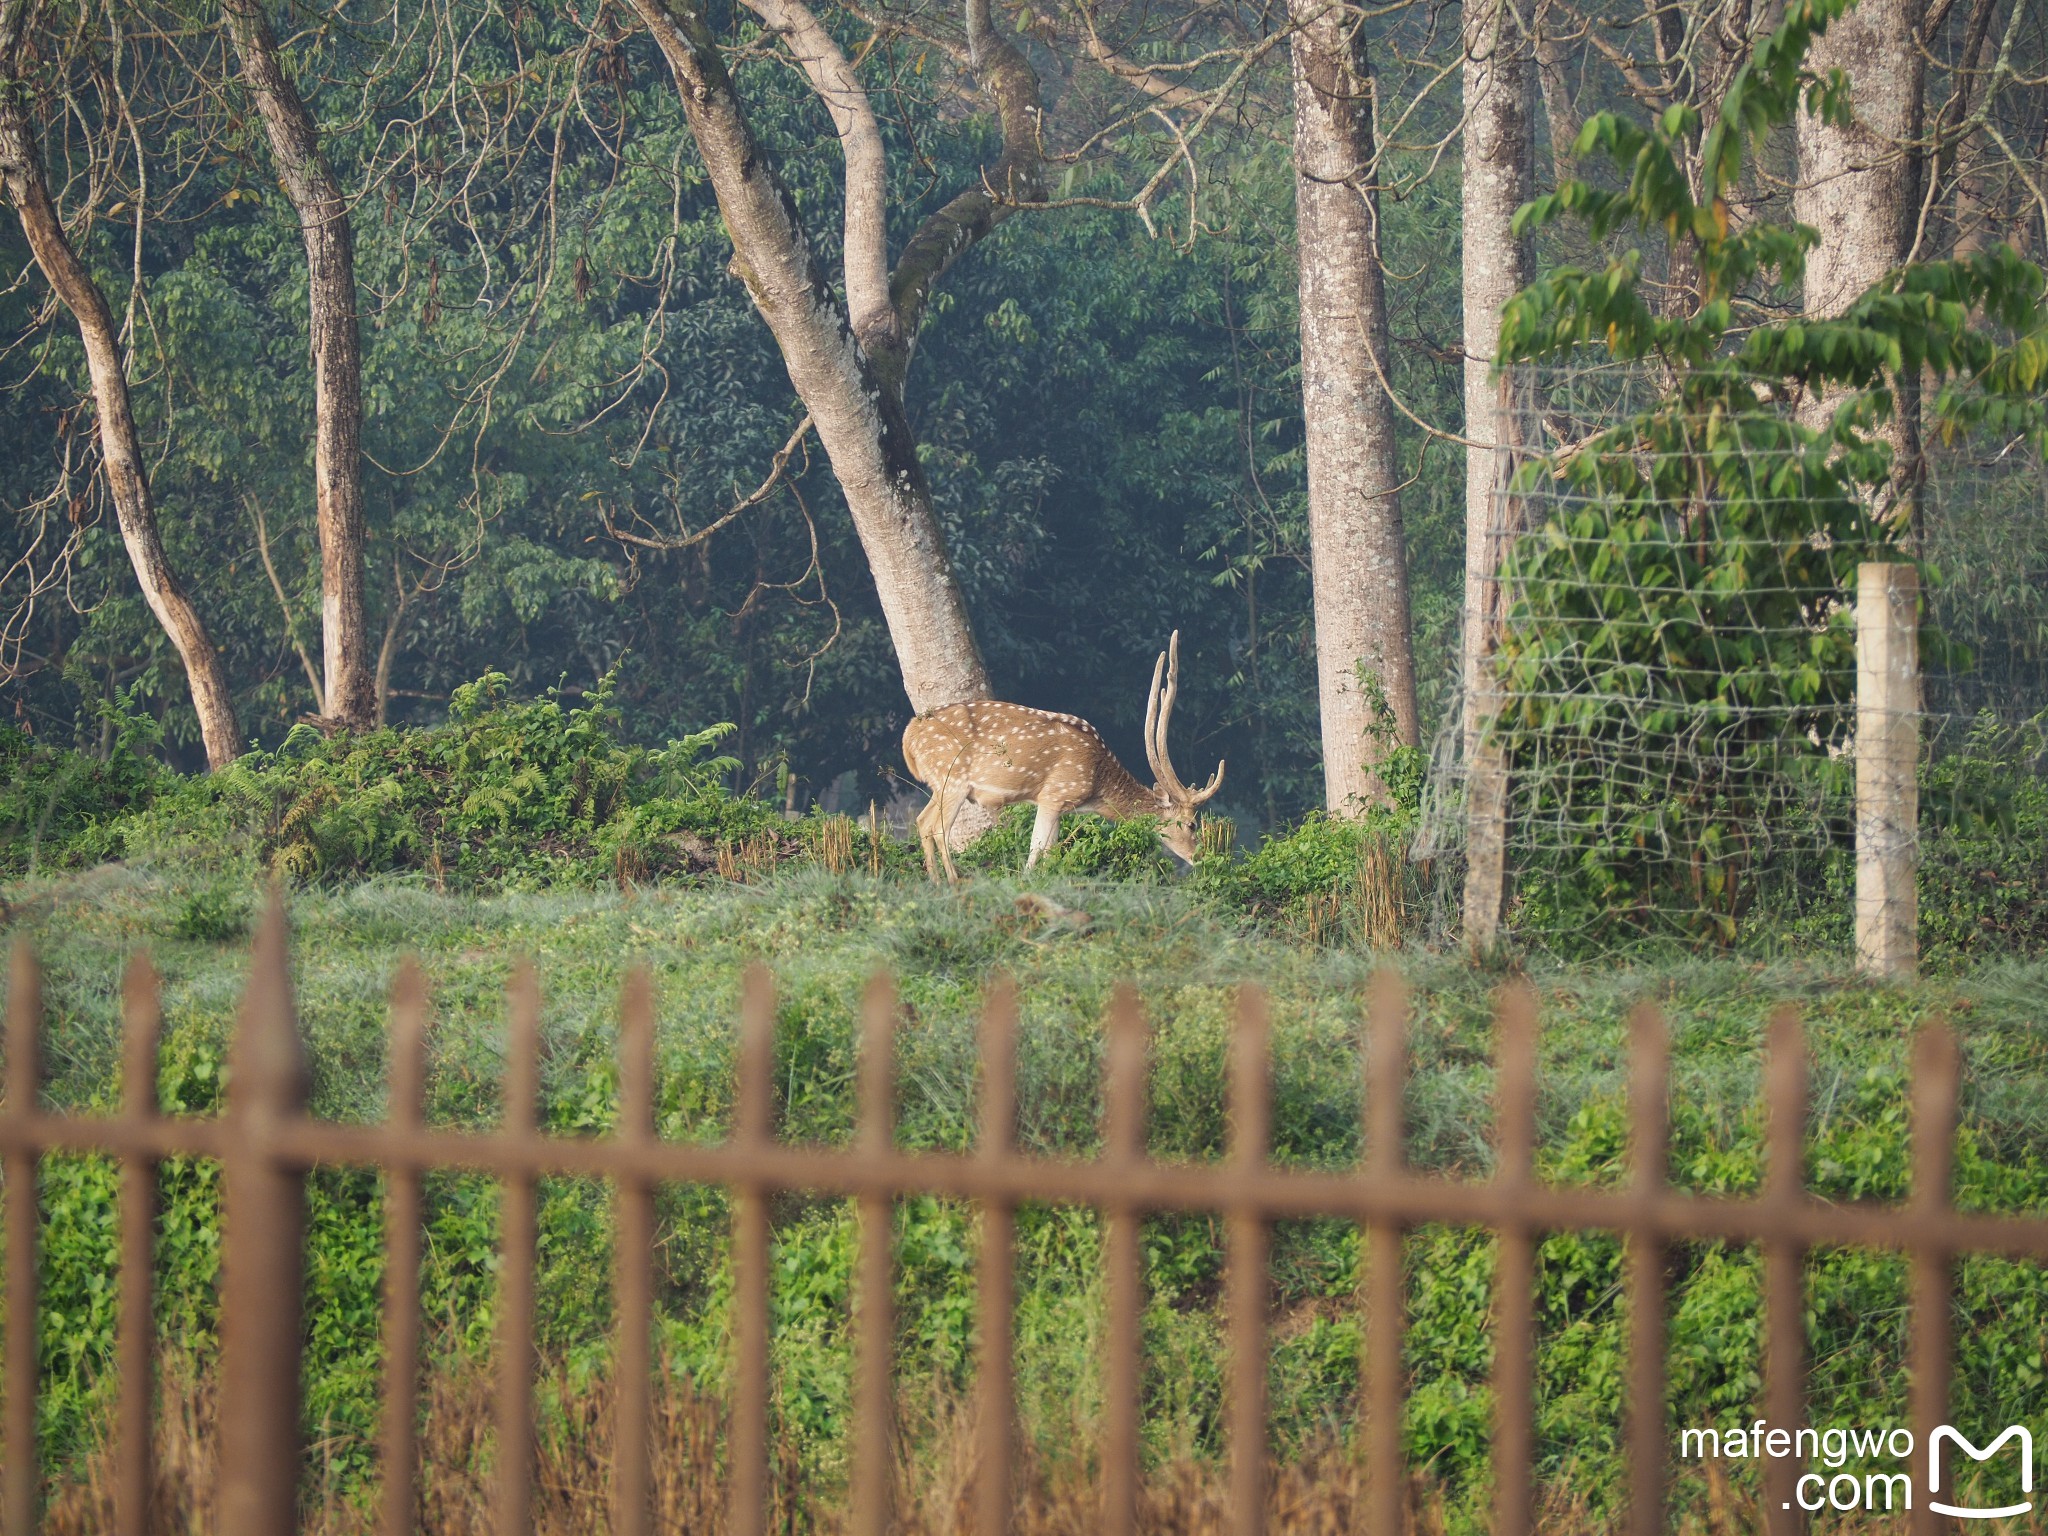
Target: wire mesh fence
[1671, 688]
[266, 1144]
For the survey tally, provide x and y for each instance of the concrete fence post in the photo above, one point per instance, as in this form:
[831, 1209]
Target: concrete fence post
[263, 1262]
[1887, 770]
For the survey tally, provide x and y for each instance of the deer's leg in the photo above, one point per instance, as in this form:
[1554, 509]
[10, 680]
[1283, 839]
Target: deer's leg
[929, 835]
[924, 841]
[949, 803]
[1045, 831]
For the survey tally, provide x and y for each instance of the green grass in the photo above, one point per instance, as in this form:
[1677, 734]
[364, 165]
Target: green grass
[823, 936]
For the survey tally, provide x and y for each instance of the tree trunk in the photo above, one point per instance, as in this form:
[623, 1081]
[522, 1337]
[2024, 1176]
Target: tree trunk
[1973, 218]
[858, 411]
[350, 688]
[21, 172]
[1859, 186]
[1364, 654]
[1499, 176]
[1560, 103]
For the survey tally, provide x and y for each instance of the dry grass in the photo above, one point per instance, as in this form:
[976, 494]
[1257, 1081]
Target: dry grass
[1370, 910]
[1319, 1494]
[835, 844]
[1379, 895]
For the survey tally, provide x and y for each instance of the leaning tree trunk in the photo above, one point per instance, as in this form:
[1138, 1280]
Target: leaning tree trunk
[1859, 186]
[854, 404]
[350, 688]
[1364, 653]
[21, 172]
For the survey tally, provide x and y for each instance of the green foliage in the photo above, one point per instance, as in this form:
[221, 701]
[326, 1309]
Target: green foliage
[1323, 858]
[1679, 660]
[1110, 421]
[55, 805]
[1316, 856]
[213, 914]
[531, 794]
[505, 793]
[1087, 846]
[1984, 844]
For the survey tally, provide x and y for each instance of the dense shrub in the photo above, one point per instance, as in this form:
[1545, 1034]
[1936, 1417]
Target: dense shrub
[1984, 844]
[506, 792]
[1087, 845]
[57, 806]
[527, 794]
[1339, 879]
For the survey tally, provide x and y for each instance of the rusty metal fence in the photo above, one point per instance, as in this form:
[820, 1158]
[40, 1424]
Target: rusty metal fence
[265, 1143]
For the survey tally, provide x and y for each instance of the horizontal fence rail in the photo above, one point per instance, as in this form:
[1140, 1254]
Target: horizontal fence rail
[266, 1143]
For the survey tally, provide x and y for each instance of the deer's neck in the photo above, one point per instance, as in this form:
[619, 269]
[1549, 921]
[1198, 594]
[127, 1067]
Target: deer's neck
[1121, 796]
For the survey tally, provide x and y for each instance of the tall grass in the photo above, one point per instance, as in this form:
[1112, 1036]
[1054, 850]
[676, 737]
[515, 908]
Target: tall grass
[1320, 1492]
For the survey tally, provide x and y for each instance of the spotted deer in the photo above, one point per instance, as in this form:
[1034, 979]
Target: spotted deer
[1004, 754]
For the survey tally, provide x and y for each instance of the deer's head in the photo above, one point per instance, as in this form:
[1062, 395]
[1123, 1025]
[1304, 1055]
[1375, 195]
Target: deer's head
[1177, 803]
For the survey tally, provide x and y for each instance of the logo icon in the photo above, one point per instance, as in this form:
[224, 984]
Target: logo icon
[1945, 1432]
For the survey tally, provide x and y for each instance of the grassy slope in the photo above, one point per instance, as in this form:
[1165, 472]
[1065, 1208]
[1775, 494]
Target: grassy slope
[823, 936]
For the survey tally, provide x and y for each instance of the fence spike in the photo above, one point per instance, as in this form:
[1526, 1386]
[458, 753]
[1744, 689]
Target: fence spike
[1937, 1069]
[1514, 1343]
[24, 1078]
[263, 1224]
[996, 1306]
[1246, 1281]
[753, 1110]
[405, 1068]
[1649, 1136]
[134, 1347]
[517, 1241]
[267, 1071]
[405, 1081]
[1384, 1133]
[874, 1301]
[1123, 1145]
[1784, 1404]
[633, 1261]
[24, 1028]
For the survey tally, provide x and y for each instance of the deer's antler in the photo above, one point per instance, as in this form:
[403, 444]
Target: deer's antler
[1158, 716]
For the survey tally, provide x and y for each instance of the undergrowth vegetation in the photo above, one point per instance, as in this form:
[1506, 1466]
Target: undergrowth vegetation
[534, 828]
[545, 794]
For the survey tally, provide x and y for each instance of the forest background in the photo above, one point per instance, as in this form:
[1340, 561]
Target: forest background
[568, 398]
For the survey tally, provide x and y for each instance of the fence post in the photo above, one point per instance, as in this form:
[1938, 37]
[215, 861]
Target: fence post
[21, 1509]
[262, 1252]
[1887, 769]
